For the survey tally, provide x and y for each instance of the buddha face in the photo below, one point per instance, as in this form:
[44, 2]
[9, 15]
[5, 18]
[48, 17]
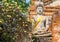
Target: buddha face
[39, 10]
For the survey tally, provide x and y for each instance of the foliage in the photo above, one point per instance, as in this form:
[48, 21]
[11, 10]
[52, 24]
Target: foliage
[13, 24]
[23, 5]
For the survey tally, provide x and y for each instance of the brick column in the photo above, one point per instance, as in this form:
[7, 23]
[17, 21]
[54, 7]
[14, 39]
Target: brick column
[56, 28]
